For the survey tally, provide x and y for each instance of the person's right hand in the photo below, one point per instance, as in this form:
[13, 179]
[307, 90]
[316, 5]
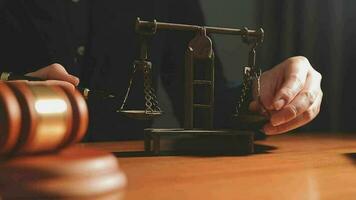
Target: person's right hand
[290, 93]
[56, 74]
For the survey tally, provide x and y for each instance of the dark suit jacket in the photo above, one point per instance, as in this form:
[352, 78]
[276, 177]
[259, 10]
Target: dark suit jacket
[105, 28]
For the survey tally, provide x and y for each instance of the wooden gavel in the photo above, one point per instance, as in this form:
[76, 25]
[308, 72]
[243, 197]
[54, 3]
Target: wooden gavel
[36, 118]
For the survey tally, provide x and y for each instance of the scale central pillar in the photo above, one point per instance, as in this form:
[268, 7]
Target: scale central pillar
[199, 83]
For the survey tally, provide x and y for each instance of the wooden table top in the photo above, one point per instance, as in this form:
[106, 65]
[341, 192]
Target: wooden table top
[293, 166]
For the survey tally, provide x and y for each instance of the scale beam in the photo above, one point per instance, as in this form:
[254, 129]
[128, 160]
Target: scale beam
[152, 27]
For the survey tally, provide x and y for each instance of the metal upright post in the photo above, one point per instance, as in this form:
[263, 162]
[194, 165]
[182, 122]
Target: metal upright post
[188, 98]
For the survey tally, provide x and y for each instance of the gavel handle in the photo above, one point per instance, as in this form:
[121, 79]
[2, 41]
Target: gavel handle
[86, 92]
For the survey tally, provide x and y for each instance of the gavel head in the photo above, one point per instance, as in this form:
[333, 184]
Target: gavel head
[38, 118]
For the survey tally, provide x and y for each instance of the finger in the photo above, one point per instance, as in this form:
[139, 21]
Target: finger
[68, 78]
[300, 103]
[60, 73]
[268, 85]
[299, 121]
[295, 77]
[16, 81]
[54, 83]
[55, 72]
[43, 72]
[254, 106]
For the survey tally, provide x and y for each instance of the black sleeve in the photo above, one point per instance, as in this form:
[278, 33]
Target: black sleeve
[190, 12]
[22, 48]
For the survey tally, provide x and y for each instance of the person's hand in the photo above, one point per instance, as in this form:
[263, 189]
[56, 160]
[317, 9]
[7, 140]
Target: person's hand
[290, 94]
[56, 74]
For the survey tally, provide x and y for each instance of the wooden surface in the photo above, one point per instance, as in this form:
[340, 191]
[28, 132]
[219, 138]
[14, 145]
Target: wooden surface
[301, 166]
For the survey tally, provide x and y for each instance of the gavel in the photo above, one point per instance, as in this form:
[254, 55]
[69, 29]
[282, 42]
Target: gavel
[36, 118]
[38, 125]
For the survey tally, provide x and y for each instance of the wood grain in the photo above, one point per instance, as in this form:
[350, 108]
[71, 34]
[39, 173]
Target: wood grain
[300, 166]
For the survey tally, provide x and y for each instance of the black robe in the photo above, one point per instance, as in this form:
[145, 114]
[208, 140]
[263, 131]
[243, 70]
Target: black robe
[105, 28]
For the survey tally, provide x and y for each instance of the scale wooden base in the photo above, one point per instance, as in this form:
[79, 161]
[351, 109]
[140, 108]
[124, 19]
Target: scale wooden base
[181, 141]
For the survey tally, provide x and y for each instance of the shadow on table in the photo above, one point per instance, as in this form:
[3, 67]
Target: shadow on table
[258, 149]
[351, 156]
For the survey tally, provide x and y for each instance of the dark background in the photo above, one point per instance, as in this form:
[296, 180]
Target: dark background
[321, 30]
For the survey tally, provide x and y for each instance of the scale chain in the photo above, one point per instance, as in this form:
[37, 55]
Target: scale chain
[128, 88]
[251, 74]
[151, 102]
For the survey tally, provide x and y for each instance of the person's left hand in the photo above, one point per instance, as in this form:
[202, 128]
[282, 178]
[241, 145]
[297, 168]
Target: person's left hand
[55, 74]
[290, 94]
